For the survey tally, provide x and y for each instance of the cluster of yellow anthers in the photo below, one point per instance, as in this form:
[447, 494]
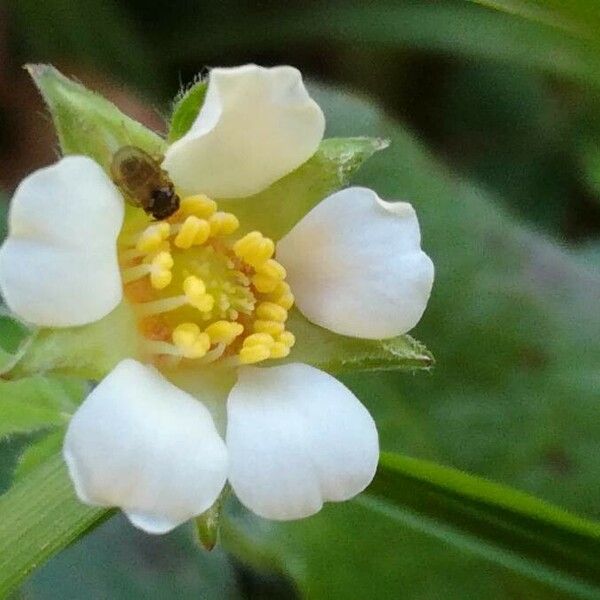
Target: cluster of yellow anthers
[234, 299]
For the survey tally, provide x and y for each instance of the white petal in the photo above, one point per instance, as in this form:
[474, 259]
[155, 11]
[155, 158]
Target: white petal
[297, 437]
[58, 266]
[256, 125]
[356, 266]
[142, 444]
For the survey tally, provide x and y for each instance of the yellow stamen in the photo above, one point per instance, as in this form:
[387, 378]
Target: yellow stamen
[279, 350]
[287, 338]
[286, 301]
[259, 339]
[160, 270]
[263, 283]
[192, 342]
[282, 295]
[254, 354]
[224, 331]
[134, 273]
[200, 206]
[223, 223]
[271, 312]
[195, 292]
[153, 236]
[271, 327]
[254, 248]
[271, 268]
[134, 253]
[194, 231]
[158, 307]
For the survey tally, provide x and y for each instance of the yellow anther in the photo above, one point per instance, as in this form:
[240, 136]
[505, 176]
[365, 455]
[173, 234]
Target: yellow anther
[254, 354]
[286, 301]
[195, 291]
[271, 312]
[160, 270]
[153, 236]
[161, 279]
[223, 332]
[263, 283]
[194, 231]
[191, 341]
[193, 286]
[282, 295]
[271, 268]
[287, 338]
[254, 248]
[273, 328]
[163, 260]
[201, 206]
[242, 246]
[281, 289]
[223, 223]
[279, 350]
[259, 339]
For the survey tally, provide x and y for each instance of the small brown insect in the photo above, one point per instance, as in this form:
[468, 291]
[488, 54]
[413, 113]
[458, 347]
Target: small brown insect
[143, 182]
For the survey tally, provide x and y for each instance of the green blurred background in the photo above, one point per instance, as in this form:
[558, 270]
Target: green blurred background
[495, 126]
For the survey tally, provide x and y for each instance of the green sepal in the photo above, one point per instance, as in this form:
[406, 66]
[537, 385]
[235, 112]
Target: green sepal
[338, 353]
[86, 123]
[186, 107]
[15, 339]
[207, 524]
[277, 209]
[35, 403]
[90, 351]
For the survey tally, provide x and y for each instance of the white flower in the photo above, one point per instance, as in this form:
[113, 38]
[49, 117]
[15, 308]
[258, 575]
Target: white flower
[294, 436]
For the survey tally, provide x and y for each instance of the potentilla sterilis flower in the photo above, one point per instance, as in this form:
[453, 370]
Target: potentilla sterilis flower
[211, 305]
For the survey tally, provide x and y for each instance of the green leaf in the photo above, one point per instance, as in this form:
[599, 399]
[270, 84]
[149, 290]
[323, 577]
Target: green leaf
[185, 110]
[39, 516]
[503, 525]
[28, 405]
[39, 452]
[455, 28]
[338, 354]
[579, 17]
[86, 123]
[15, 339]
[278, 208]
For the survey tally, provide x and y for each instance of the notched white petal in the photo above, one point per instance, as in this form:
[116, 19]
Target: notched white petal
[296, 438]
[58, 266]
[142, 444]
[356, 266]
[256, 125]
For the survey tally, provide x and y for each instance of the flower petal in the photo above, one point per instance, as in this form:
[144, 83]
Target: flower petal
[142, 444]
[297, 437]
[356, 266]
[58, 266]
[256, 125]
